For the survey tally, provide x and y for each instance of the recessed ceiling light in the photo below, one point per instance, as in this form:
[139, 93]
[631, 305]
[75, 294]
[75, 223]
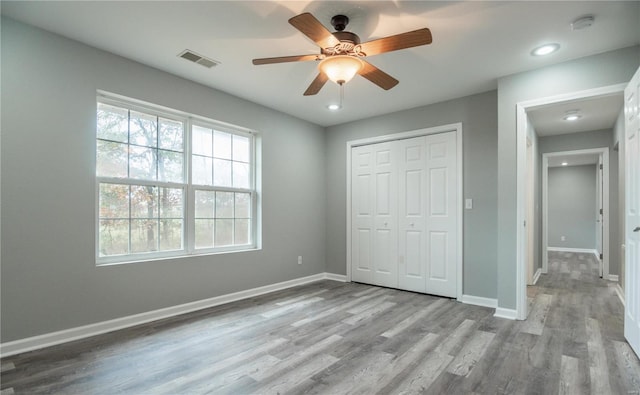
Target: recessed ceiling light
[545, 49]
[572, 115]
[333, 107]
[583, 22]
[564, 163]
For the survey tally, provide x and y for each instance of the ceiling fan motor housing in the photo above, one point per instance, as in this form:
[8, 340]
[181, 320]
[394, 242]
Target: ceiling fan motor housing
[339, 22]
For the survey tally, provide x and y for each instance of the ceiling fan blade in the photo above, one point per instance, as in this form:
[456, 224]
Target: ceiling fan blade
[377, 76]
[312, 28]
[399, 41]
[284, 59]
[316, 85]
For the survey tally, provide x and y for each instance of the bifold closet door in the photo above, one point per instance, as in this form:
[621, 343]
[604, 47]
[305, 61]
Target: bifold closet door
[442, 214]
[412, 208]
[374, 220]
[403, 214]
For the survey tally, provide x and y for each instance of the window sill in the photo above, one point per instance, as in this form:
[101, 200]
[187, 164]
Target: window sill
[174, 257]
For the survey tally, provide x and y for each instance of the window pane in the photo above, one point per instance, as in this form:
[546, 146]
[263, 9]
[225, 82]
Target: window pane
[202, 141]
[241, 175]
[113, 237]
[224, 232]
[144, 201]
[111, 159]
[224, 204]
[170, 167]
[114, 201]
[222, 145]
[112, 123]
[241, 232]
[202, 170]
[222, 173]
[143, 129]
[204, 233]
[241, 150]
[243, 205]
[171, 134]
[142, 163]
[144, 235]
[170, 234]
[204, 204]
[171, 203]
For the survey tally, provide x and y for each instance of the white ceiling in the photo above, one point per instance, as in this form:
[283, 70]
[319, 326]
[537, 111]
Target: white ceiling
[596, 114]
[474, 43]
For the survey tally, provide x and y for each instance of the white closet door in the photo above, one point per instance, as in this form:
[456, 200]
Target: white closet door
[362, 214]
[412, 192]
[441, 214]
[374, 219]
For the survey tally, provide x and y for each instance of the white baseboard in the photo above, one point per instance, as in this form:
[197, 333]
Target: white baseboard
[536, 276]
[613, 277]
[336, 277]
[567, 249]
[620, 293]
[81, 332]
[479, 301]
[509, 314]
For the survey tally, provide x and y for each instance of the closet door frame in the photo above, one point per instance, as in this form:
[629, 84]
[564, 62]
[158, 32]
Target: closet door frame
[455, 127]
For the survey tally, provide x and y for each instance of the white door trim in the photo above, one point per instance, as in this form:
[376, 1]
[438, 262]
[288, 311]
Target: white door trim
[521, 155]
[604, 154]
[454, 127]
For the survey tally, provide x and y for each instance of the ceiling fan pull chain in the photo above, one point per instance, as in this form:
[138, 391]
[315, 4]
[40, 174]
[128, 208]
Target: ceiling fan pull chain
[341, 94]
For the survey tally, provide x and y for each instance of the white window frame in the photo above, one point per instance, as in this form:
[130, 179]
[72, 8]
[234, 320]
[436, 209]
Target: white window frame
[188, 242]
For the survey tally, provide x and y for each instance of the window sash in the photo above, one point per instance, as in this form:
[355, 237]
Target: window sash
[189, 189]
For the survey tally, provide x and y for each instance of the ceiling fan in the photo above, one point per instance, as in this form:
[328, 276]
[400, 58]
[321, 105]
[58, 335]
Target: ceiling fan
[341, 52]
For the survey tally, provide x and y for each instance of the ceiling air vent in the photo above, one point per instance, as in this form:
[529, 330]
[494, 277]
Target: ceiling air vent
[199, 59]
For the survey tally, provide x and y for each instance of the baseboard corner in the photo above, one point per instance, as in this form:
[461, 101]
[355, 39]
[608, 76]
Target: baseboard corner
[479, 301]
[536, 276]
[335, 277]
[619, 292]
[509, 314]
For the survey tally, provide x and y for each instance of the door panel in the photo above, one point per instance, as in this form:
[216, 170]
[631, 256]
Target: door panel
[632, 214]
[411, 220]
[441, 221]
[361, 214]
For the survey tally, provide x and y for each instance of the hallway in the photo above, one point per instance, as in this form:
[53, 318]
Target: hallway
[577, 318]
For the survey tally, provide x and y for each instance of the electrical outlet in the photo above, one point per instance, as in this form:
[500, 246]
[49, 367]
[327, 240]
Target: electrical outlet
[563, 238]
[299, 259]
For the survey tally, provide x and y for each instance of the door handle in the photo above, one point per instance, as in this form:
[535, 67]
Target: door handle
[637, 229]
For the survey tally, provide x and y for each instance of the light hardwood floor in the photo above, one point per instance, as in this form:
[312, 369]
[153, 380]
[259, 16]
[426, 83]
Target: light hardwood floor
[334, 338]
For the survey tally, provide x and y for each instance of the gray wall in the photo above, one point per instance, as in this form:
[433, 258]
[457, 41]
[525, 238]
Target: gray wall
[572, 206]
[587, 140]
[604, 69]
[49, 278]
[478, 116]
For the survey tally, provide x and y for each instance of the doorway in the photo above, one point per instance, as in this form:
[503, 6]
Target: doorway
[523, 125]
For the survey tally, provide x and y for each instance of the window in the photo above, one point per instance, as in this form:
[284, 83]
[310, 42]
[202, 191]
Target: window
[169, 184]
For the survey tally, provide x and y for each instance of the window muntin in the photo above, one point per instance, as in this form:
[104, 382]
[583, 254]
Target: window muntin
[153, 202]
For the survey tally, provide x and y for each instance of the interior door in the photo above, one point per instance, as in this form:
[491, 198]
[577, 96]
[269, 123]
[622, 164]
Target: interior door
[632, 214]
[361, 213]
[374, 222]
[385, 237]
[441, 225]
[412, 243]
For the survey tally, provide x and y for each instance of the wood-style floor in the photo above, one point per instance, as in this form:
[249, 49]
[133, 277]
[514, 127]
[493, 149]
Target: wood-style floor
[335, 338]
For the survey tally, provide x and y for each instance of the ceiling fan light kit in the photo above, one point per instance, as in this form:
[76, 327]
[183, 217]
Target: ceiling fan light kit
[342, 54]
[341, 68]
